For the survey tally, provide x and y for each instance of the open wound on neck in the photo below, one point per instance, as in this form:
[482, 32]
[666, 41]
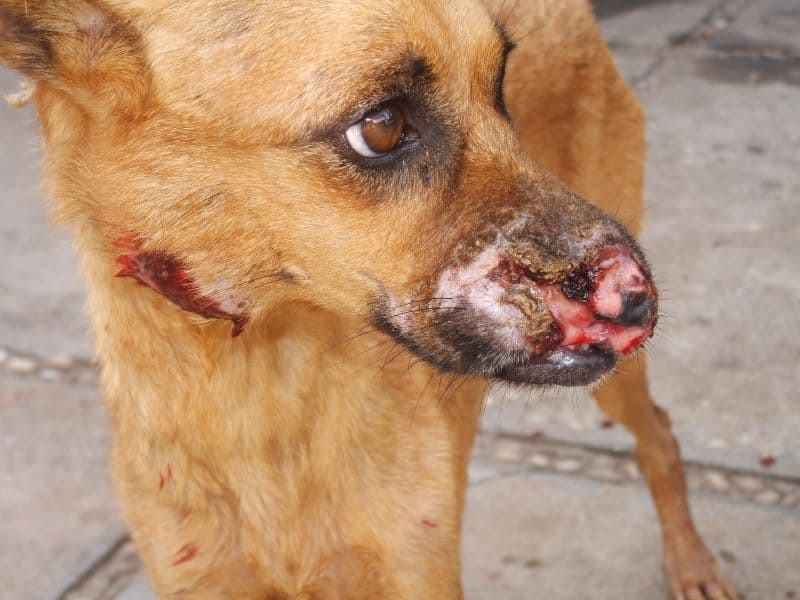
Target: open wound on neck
[168, 276]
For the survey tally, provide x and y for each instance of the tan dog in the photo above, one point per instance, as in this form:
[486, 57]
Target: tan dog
[319, 179]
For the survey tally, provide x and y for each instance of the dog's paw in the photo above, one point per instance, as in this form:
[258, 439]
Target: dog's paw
[693, 573]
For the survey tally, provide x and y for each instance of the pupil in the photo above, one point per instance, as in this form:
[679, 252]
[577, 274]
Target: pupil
[382, 130]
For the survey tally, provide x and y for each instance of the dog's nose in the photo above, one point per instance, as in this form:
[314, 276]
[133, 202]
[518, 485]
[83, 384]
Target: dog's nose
[638, 310]
[623, 291]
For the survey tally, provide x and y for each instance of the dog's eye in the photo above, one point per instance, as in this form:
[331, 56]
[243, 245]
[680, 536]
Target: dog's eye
[378, 133]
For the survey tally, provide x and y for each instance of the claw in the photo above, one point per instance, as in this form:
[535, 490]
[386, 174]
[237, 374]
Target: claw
[693, 574]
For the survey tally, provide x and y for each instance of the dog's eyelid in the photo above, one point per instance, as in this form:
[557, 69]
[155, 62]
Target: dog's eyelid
[403, 80]
[355, 114]
[371, 106]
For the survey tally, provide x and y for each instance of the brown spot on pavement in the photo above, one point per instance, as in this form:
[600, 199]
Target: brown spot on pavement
[532, 563]
[768, 461]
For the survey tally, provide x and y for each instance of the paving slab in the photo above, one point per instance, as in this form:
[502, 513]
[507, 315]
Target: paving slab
[772, 23]
[639, 31]
[651, 24]
[139, 589]
[530, 537]
[724, 227]
[57, 516]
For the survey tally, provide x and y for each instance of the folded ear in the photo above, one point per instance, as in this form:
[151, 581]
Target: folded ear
[22, 47]
[76, 46]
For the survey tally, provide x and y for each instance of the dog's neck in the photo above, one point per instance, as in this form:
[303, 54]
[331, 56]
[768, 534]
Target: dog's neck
[168, 374]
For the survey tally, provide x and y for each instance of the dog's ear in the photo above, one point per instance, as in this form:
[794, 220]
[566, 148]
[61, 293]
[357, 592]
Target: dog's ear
[79, 47]
[21, 46]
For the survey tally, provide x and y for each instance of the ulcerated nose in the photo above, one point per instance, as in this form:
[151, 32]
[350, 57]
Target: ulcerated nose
[623, 291]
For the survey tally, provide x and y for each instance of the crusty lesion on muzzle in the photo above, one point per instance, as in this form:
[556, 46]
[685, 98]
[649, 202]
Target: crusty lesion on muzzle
[542, 297]
[539, 324]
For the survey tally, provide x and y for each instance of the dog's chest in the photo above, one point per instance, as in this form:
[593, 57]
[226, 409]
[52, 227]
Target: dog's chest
[362, 521]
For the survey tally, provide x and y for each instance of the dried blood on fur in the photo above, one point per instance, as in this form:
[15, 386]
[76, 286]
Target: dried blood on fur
[186, 553]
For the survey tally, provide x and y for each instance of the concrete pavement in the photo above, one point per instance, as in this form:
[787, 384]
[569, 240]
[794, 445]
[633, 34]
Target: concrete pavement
[556, 508]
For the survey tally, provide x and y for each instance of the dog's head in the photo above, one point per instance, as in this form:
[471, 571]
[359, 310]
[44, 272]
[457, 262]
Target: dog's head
[356, 156]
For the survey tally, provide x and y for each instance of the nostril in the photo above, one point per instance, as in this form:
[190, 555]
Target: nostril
[637, 310]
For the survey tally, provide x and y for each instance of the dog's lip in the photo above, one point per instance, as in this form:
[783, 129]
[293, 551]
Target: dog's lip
[567, 365]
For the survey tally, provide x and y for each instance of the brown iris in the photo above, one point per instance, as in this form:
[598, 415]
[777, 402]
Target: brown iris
[383, 129]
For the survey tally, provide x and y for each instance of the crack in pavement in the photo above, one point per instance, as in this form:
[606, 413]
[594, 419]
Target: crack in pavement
[721, 14]
[108, 576]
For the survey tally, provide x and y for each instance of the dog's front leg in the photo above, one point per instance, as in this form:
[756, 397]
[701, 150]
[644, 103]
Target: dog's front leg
[689, 566]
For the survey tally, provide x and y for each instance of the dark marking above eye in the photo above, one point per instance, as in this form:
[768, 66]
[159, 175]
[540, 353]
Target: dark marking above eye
[417, 67]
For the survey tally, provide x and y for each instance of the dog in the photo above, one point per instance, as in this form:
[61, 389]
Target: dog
[266, 197]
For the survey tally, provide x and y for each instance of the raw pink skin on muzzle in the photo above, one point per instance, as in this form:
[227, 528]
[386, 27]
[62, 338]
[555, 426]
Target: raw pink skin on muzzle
[617, 274]
[579, 324]
[484, 284]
